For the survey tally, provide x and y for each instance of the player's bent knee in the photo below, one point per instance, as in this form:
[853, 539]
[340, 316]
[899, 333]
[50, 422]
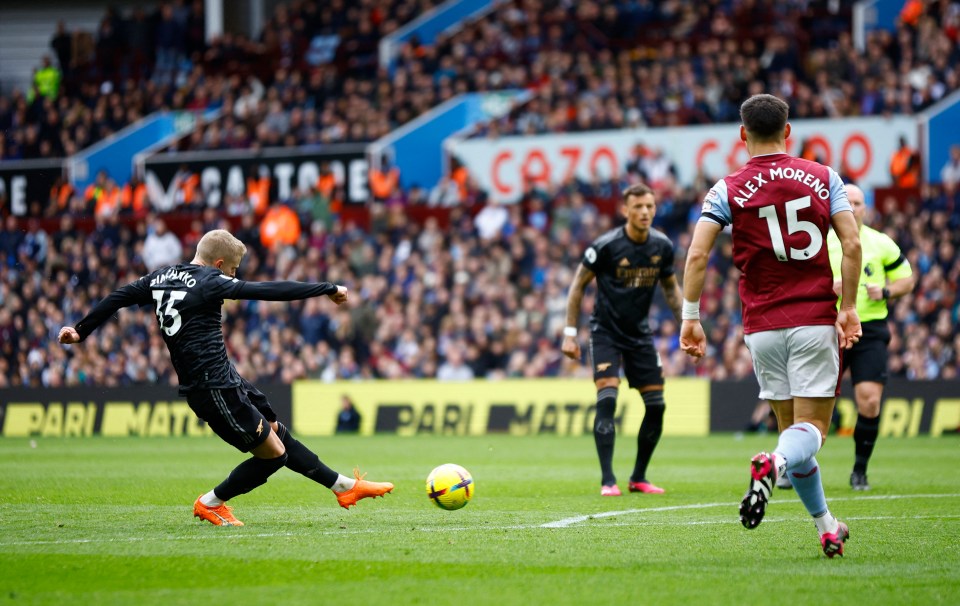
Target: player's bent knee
[607, 382]
[271, 448]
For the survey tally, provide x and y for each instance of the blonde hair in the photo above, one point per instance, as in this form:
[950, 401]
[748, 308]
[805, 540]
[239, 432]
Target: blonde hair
[220, 244]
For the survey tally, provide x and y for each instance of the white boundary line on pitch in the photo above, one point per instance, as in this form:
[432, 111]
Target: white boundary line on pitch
[769, 520]
[564, 523]
[260, 535]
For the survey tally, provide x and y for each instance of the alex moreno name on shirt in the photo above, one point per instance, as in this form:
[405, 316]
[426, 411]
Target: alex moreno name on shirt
[782, 172]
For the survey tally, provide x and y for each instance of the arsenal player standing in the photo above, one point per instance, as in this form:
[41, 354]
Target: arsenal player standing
[779, 209]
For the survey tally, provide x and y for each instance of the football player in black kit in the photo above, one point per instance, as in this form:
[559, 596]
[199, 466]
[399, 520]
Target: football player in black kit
[628, 263]
[187, 299]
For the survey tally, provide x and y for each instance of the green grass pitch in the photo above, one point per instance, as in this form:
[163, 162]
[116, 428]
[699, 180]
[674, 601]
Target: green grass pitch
[109, 521]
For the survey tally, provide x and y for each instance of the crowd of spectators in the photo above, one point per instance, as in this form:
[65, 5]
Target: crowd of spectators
[596, 65]
[156, 58]
[313, 76]
[485, 295]
[659, 64]
[482, 297]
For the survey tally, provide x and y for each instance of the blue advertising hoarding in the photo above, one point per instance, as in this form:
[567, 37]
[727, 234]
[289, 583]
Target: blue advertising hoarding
[940, 130]
[416, 148]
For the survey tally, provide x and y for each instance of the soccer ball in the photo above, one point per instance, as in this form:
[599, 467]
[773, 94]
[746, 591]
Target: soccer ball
[450, 486]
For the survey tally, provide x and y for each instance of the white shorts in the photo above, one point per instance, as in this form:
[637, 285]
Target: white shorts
[796, 362]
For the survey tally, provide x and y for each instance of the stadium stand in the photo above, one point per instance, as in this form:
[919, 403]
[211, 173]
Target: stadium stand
[156, 58]
[593, 66]
[419, 293]
[426, 284]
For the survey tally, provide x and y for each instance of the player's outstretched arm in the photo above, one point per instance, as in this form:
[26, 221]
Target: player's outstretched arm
[283, 290]
[571, 345]
[693, 341]
[135, 293]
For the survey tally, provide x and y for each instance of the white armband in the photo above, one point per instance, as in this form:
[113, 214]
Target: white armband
[690, 310]
[570, 331]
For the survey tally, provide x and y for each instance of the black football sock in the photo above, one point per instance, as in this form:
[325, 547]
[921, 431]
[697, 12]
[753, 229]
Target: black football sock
[304, 461]
[864, 437]
[605, 432]
[649, 434]
[248, 475]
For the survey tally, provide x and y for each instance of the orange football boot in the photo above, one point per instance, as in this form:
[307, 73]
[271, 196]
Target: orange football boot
[218, 516]
[361, 490]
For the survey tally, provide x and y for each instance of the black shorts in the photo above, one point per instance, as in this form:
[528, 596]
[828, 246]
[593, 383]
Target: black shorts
[241, 416]
[867, 360]
[640, 360]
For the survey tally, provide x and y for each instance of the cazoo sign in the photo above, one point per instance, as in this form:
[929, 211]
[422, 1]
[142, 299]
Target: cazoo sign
[857, 147]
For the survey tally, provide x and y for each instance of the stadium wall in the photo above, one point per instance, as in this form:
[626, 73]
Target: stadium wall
[225, 172]
[695, 407]
[26, 182]
[416, 148]
[447, 17]
[520, 407]
[143, 411]
[858, 147]
[910, 408]
[115, 153]
[939, 126]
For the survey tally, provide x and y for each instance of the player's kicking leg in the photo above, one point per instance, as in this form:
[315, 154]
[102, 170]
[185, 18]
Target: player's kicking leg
[347, 490]
[361, 489]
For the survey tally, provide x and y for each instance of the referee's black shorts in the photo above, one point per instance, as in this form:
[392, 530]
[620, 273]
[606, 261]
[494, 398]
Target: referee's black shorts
[241, 415]
[867, 360]
[640, 360]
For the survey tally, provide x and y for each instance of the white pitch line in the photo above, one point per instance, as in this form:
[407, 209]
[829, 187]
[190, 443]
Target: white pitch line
[565, 522]
[219, 535]
[228, 534]
[260, 535]
[769, 520]
[608, 514]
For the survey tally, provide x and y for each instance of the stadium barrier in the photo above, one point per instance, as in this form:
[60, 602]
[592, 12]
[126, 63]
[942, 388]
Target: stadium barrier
[416, 148]
[522, 407]
[447, 17]
[938, 133]
[114, 153]
[25, 182]
[146, 411]
[910, 408]
[225, 172]
[861, 147]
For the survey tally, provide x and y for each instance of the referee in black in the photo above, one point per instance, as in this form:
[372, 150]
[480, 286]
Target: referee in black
[187, 300]
[886, 275]
[628, 263]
